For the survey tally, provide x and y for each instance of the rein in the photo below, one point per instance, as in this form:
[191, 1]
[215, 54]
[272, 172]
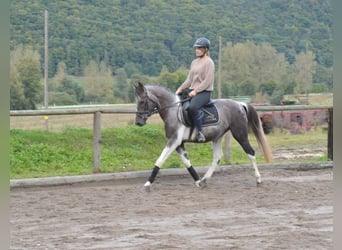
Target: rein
[175, 103]
[156, 110]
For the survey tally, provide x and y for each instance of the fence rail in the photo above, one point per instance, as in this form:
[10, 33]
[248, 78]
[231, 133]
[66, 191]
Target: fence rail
[132, 111]
[97, 111]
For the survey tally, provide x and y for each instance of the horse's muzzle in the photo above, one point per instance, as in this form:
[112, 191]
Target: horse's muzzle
[140, 123]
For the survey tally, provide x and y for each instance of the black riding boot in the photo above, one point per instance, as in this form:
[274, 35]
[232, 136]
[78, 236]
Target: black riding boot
[198, 123]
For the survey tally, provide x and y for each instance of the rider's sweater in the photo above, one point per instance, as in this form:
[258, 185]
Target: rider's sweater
[201, 75]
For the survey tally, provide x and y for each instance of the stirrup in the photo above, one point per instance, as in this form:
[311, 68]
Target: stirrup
[201, 137]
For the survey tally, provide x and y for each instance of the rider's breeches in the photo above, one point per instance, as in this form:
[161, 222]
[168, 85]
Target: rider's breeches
[196, 103]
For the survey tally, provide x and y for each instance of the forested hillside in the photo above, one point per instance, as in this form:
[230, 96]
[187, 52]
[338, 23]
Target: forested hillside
[143, 36]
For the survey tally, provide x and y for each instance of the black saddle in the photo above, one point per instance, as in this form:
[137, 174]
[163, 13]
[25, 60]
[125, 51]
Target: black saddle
[208, 113]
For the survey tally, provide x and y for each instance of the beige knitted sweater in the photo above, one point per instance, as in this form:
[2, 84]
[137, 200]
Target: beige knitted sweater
[201, 75]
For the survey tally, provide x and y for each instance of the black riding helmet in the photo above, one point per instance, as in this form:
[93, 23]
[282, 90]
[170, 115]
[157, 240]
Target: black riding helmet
[202, 42]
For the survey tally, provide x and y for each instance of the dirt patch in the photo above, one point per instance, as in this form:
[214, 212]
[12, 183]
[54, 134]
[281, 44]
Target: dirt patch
[297, 154]
[290, 210]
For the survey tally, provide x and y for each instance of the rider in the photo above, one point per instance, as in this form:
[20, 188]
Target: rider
[200, 81]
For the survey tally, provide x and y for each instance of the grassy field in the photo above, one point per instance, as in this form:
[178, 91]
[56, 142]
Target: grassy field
[66, 149]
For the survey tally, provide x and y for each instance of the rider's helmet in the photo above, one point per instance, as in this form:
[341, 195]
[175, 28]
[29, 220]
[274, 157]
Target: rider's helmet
[202, 42]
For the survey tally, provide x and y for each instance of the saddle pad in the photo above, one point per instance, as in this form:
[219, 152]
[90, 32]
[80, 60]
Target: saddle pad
[209, 112]
[210, 115]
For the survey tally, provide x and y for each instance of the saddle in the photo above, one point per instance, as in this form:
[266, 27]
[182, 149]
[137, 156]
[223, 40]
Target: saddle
[208, 113]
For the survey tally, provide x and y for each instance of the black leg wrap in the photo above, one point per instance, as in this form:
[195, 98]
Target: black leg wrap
[154, 174]
[193, 173]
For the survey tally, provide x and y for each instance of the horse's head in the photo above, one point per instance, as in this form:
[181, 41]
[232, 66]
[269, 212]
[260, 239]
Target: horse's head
[147, 104]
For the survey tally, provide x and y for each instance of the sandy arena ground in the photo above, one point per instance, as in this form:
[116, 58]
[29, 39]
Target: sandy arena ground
[291, 209]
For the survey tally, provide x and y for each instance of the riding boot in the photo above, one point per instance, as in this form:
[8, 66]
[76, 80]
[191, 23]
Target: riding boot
[198, 122]
[201, 137]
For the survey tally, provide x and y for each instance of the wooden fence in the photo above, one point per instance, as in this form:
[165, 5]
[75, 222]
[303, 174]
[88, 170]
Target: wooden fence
[97, 123]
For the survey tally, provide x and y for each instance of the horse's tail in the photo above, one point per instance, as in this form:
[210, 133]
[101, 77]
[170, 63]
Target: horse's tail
[254, 124]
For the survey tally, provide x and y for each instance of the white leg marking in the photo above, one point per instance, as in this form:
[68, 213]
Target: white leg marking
[185, 160]
[170, 148]
[162, 158]
[217, 154]
[256, 170]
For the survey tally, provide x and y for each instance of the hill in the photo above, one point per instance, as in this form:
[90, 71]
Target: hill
[142, 36]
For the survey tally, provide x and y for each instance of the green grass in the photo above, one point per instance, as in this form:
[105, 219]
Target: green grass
[46, 153]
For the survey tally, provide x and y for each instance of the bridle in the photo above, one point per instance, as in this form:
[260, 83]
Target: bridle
[151, 111]
[147, 110]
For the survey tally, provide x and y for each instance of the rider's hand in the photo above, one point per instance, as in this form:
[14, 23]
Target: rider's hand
[192, 93]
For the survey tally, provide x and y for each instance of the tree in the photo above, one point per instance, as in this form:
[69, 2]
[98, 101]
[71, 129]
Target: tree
[59, 76]
[246, 64]
[62, 98]
[98, 83]
[121, 85]
[323, 75]
[304, 69]
[168, 79]
[131, 69]
[72, 88]
[63, 90]
[268, 88]
[25, 87]
[16, 95]
[247, 88]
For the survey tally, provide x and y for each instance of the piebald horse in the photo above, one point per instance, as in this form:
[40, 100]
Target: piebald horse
[235, 116]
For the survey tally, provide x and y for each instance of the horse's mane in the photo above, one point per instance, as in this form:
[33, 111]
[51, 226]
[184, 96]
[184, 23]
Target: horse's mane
[151, 86]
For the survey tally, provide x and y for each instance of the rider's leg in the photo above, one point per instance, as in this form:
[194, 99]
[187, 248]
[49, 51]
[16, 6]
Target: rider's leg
[198, 123]
[197, 102]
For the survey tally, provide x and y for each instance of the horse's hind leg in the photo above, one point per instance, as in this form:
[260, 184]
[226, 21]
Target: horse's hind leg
[245, 144]
[242, 139]
[256, 170]
[184, 156]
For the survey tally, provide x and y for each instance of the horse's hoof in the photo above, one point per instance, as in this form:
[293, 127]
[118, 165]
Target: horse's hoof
[204, 183]
[147, 186]
[201, 183]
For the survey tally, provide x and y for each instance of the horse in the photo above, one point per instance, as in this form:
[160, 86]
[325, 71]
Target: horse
[234, 116]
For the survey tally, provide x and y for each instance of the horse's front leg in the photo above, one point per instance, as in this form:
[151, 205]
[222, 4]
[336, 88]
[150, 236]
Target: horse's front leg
[184, 156]
[217, 154]
[169, 148]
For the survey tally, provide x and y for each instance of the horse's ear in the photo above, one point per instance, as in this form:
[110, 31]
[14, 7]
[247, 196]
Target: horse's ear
[140, 88]
[140, 85]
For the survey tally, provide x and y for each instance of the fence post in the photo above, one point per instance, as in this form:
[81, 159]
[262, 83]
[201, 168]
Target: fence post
[97, 142]
[330, 135]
